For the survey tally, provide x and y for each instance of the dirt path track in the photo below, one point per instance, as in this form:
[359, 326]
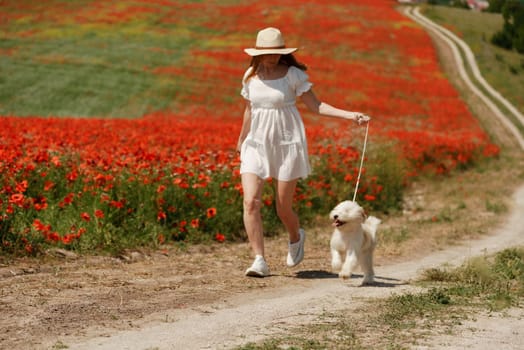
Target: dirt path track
[259, 314]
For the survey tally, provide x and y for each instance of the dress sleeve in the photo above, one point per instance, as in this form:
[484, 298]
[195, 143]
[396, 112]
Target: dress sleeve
[299, 80]
[245, 88]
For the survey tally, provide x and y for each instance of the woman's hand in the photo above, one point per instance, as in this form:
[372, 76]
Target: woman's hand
[360, 118]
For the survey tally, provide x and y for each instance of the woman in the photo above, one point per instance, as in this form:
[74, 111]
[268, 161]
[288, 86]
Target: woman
[272, 142]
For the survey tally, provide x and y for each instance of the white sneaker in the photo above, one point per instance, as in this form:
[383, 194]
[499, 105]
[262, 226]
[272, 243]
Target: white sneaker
[296, 250]
[259, 268]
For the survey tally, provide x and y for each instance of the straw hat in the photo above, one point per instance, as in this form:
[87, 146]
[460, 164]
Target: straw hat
[269, 41]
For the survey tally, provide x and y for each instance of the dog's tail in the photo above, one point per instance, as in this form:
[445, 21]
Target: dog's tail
[371, 225]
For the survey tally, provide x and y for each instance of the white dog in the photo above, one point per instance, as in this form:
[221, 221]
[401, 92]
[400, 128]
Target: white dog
[353, 240]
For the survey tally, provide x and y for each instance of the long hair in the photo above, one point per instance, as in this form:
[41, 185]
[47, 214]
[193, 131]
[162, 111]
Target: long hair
[288, 60]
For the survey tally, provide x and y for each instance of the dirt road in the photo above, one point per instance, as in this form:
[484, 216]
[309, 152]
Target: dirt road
[255, 315]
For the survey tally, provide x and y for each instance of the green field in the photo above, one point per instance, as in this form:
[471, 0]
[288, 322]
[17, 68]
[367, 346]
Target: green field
[58, 63]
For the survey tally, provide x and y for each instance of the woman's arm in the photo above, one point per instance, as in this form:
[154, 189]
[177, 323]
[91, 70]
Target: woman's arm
[316, 106]
[246, 126]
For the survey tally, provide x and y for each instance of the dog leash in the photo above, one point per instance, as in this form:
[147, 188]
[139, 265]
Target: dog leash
[361, 161]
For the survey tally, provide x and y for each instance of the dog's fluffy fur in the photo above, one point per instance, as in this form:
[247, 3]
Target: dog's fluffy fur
[353, 240]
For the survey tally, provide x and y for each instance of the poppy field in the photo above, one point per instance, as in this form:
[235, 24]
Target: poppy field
[119, 120]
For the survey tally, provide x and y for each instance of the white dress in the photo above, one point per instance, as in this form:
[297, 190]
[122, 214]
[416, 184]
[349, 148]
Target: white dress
[276, 145]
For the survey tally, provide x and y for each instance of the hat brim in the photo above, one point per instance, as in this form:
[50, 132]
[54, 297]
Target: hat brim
[258, 52]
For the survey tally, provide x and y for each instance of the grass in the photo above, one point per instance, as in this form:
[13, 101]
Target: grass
[89, 69]
[59, 345]
[486, 283]
[86, 82]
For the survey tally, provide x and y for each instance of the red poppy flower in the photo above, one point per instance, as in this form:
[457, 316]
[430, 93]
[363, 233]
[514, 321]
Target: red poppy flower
[48, 185]
[39, 226]
[195, 223]
[67, 239]
[85, 216]
[116, 204]
[161, 215]
[21, 186]
[17, 199]
[211, 213]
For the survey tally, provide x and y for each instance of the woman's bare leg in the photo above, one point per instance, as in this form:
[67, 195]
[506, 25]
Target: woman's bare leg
[252, 186]
[284, 200]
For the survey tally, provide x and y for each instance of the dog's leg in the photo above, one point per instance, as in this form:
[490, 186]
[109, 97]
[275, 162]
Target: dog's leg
[350, 264]
[368, 249]
[336, 260]
[366, 263]
[354, 246]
